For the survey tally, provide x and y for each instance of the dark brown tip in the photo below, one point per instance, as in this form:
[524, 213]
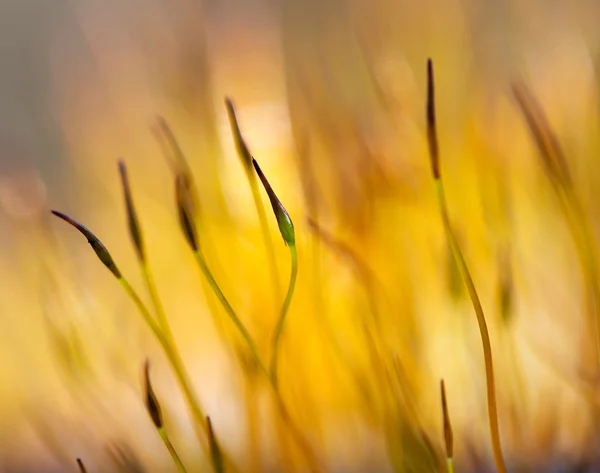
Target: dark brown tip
[94, 242]
[547, 143]
[448, 436]
[215, 450]
[132, 220]
[81, 467]
[432, 138]
[151, 401]
[286, 226]
[240, 144]
[185, 211]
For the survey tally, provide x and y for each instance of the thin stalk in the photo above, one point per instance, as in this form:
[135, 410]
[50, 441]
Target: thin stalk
[161, 316]
[450, 465]
[165, 438]
[282, 316]
[485, 337]
[230, 311]
[174, 359]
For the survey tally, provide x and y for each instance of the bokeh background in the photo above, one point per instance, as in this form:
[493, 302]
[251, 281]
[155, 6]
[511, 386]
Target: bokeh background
[330, 97]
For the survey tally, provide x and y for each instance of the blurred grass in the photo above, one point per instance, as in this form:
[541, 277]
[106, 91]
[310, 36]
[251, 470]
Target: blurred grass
[330, 98]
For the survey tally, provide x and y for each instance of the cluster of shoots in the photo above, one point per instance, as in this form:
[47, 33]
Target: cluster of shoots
[156, 319]
[187, 209]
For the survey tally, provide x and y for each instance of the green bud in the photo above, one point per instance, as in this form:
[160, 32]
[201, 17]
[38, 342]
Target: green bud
[240, 144]
[215, 450]
[286, 226]
[432, 139]
[94, 242]
[132, 220]
[151, 401]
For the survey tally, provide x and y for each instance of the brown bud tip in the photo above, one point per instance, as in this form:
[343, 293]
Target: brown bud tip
[215, 451]
[286, 226]
[151, 401]
[432, 139]
[548, 145]
[94, 242]
[81, 467]
[448, 436]
[240, 144]
[185, 211]
[132, 220]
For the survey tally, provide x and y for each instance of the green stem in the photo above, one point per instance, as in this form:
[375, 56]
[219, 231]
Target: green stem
[450, 465]
[282, 316]
[295, 431]
[230, 311]
[174, 359]
[264, 226]
[163, 435]
[161, 316]
[485, 337]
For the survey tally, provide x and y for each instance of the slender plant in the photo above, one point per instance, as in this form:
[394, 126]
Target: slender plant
[432, 140]
[557, 170]
[155, 412]
[286, 228]
[448, 436]
[246, 158]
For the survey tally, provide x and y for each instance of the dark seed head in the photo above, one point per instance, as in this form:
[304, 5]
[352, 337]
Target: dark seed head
[81, 467]
[432, 138]
[132, 220]
[185, 211]
[94, 242]
[215, 450]
[448, 436]
[240, 144]
[286, 226]
[151, 402]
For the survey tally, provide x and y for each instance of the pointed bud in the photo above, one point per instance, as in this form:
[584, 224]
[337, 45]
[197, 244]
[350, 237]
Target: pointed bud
[286, 227]
[448, 436]
[81, 467]
[151, 401]
[94, 242]
[132, 221]
[550, 150]
[432, 139]
[185, 211]
[240, 144]
[215, 450]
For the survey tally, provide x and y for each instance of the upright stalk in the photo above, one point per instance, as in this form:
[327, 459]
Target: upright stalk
[464, 270]
[230, 311]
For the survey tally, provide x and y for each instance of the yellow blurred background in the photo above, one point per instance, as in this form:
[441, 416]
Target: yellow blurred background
[330, 97]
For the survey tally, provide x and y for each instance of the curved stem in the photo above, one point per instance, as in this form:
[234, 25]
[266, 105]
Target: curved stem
[165, 438]
[264, 226]
[230, 311]
[282, 315]
[161, 316]
[485, 337]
